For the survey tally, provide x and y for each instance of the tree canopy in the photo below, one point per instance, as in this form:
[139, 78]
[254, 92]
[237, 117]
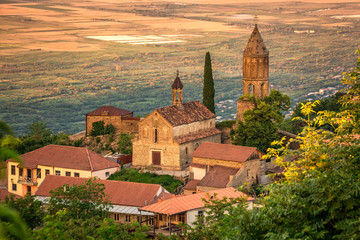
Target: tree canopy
[208, 89]
[260, 124]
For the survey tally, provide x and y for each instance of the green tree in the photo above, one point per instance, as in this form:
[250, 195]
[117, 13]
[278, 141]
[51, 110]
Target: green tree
[11, 225]
[39, 131]
[208, 90]
[260, 124]
[125, 143]
[30, 210]
[99, 128]
[80, 201]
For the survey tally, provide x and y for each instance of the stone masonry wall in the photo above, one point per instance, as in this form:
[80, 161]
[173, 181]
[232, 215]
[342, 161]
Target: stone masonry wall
[213, 162]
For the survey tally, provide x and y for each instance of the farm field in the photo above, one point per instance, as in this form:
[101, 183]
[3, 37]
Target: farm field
[60, 60]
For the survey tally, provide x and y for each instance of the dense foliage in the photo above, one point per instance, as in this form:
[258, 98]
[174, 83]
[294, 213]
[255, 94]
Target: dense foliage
[99, 128]
[125, 143]
[134, 175]
[30, 210]
[260, 124]
[208, 89]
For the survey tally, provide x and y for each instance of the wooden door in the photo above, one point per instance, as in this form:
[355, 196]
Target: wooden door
[156, 157]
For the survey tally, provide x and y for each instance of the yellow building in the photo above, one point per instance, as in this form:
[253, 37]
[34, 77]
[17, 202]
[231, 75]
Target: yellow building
[55, 160]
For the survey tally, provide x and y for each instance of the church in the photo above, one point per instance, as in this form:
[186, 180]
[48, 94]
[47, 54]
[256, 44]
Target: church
[169, 135]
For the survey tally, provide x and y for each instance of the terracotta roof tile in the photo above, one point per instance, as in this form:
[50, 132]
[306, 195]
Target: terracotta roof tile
[66, 157]
[224, 152]
[218, 177]
[109, 111]
[5, 193]
[191, 185]
[186, 113]
[197, 135]
[193, 201]
[119, 192]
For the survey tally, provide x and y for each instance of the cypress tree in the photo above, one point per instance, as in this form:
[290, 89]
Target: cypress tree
[208, 90]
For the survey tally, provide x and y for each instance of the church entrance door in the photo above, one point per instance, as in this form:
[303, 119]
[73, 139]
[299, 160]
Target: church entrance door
[156, 157]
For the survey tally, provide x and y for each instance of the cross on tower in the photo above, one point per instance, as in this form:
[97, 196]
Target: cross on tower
[256, 19]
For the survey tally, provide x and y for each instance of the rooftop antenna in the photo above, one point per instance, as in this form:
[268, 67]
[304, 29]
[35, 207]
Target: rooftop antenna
[256, 19]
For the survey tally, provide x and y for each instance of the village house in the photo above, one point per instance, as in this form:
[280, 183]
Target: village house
[55, 160]
[185, 209]
[217, 166]
[121, 119]
[168, 136]
[125, 198]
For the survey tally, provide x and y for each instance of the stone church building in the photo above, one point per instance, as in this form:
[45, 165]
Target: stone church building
[168, 136]
[255, 72]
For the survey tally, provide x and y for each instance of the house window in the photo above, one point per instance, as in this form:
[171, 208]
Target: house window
[160, 217]
[29, 189]
[155, 135]
[68, 174]
[181, 218]
[248, 173]
[57, 172]
[200, 213]
[187, 151]
[13, 170]
[117, 217]
[107, 174]
[196, 145]
[38, 173]
[76, 174]
[127, 218]
[47, 171]
[21, 170]
[14, 187]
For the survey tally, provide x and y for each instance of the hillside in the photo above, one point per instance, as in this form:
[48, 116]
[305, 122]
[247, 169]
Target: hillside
[61, 60]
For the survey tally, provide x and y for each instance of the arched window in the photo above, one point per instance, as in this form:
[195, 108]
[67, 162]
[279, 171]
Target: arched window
[187, 151]
[156, 135]
[251, 89]
[196, 145]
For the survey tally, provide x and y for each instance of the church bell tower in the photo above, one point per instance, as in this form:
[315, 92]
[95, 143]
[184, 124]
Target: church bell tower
[256, 66]
[255, 72]
[177, 91]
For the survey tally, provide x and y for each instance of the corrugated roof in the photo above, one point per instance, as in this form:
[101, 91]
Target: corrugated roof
[79, 158]
[186, 113]
[119, 192]
[256, 46]
[193, 201]
[224, 152]
[218, 177]
[197, 135]
[109, 111]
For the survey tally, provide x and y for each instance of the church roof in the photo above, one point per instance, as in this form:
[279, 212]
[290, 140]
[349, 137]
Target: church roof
[109, 111]
[177, 84]
[197, 135]
[187, 113]
[256, 46]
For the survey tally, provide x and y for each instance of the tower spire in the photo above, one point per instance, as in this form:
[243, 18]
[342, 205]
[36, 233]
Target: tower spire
[177, 91]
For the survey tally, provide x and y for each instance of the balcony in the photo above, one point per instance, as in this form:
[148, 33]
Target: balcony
[27, 181]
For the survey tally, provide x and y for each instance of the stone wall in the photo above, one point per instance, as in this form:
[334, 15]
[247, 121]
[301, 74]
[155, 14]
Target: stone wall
[242, 106]
[128, 125]
[193, 127]
[213, 162]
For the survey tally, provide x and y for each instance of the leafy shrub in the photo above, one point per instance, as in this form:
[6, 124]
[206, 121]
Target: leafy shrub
[225, 124]
[99, 128]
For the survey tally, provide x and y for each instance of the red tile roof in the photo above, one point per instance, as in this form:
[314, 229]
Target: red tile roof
[191, 185]
[197, 135]
[109, 111]
[218, 177]
[193, 201]
[79, 158]
[186, 113]
[224, 152]
[5, 193]
[119, 192]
